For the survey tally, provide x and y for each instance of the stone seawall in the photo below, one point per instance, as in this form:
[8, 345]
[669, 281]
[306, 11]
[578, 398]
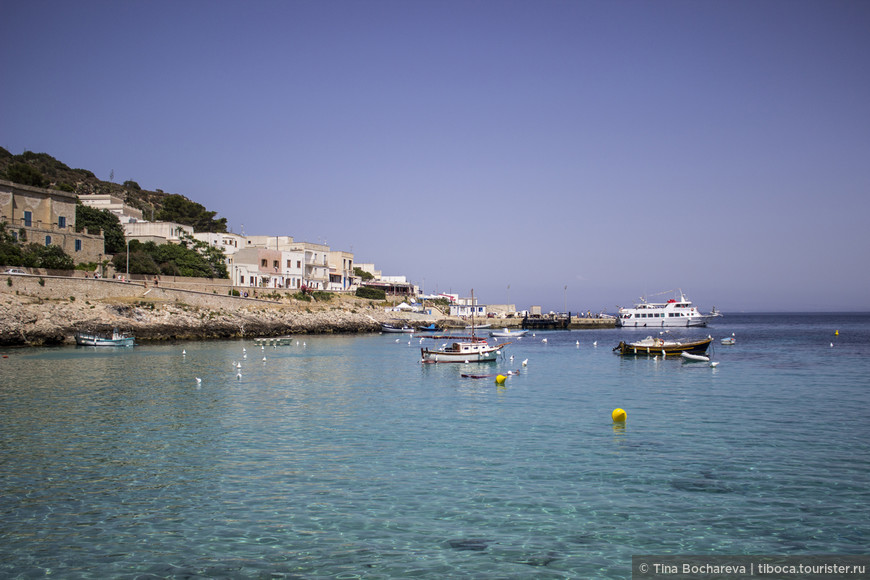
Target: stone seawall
[39, 310]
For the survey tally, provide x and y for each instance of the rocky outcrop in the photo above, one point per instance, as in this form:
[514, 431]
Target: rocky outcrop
[34, 321]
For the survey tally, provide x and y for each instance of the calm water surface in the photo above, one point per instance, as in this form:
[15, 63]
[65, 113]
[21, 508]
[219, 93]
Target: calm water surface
[343, 457]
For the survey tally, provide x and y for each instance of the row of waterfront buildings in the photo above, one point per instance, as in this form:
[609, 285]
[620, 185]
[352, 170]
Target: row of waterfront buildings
[47, 216]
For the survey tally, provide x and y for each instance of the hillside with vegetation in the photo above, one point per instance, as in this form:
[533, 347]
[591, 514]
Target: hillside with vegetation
[43, 170]
[189, 258]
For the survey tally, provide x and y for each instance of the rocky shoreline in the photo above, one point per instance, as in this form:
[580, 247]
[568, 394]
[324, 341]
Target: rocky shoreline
[31, 321]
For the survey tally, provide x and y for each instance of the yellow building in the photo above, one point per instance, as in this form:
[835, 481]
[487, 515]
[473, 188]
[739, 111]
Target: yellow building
[47, 216]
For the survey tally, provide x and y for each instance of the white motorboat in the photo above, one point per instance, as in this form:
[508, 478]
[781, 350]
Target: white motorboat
[508, 333]
[689, 357]
[676, 312]
[393, 328]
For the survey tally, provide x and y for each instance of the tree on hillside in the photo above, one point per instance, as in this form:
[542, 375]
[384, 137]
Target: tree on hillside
[167, 259]
[103, 219]
[25, 174]
[177, 208]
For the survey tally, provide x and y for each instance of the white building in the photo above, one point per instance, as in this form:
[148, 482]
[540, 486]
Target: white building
[229, 244]
[157, 232]
[126, 214]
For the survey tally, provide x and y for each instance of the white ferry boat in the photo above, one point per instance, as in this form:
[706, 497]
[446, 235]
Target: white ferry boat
[675, 312]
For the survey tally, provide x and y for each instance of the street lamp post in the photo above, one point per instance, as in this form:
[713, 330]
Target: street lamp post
[566, 299]
[127, 277]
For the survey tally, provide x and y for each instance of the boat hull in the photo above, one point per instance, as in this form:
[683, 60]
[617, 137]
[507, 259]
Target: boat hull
[396, 329]
[479, 354]
[92, 340]
[676, 322]
[508, 333]
[664, 348]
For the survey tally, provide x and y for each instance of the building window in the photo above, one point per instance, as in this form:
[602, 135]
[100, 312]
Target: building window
[47, 240]
[78, 245]
[298, 263]
[28, 219]
[264, 263]
[61, 222]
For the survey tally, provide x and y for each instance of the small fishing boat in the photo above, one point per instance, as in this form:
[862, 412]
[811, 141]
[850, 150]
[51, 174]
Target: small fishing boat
[657, 346]
[508, 333]
[115, 339]
[464, 349]
[392, 328]
[689, 357]
[429, 328]
[729, 339]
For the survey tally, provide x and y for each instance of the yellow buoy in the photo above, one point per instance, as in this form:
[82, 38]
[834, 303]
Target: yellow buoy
[618, 415]
[836, 333]
[500, 379]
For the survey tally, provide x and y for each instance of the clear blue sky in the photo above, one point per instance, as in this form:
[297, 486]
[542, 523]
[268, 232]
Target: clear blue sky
[617, 148]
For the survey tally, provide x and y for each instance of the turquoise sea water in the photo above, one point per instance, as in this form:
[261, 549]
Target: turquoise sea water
[343, 457]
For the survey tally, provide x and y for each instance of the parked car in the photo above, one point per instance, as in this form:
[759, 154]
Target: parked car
[14, 271]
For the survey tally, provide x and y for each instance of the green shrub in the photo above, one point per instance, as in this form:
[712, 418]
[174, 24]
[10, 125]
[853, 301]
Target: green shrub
[371, 293]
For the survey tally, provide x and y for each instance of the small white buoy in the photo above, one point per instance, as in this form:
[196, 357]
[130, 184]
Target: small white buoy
[238, 365]
[525, 362]
[183, 352]
[595, 343]
[198, 380]
[543, 340]
[832, 345]
[264, 359]
[244, 349]
[578, 343]
[714, 364]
